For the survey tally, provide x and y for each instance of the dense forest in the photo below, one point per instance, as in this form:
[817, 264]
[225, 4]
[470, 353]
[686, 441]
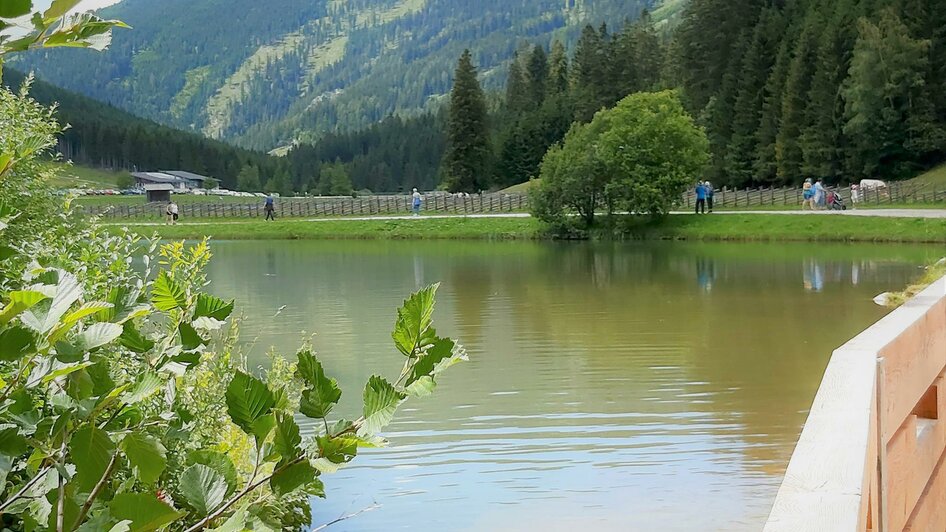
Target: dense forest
[103, 136]
[286, 70]
[815, 88]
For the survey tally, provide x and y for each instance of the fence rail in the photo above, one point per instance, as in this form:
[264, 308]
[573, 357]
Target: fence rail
[894, 193]
[322, 207]
[871, 455]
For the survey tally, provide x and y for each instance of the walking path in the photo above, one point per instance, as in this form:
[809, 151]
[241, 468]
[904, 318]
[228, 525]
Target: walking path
[880, 213]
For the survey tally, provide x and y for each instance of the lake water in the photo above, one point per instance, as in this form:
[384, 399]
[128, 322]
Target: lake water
[611, 386]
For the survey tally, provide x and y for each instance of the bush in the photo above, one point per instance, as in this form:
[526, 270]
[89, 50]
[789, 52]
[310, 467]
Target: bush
[637, 158]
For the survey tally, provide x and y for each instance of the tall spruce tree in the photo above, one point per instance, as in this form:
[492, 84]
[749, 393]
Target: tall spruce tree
[517, 87]
[766, 159]
[467, 157]
[795, 102]
[589, 74]
[558, 69]
[538, 74]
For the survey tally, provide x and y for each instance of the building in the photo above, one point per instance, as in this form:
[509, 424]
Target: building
[158, 192]
[179, 180]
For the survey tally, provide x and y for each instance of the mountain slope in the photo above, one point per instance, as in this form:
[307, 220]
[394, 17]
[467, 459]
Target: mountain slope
[264, 74]
[100, 135]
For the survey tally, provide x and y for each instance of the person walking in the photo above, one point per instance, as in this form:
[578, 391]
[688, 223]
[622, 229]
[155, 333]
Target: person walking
[416, 201]
[807, 194]
[172, 212]
[819, 198]
[709, 195]
[700, 198]
[270, 208]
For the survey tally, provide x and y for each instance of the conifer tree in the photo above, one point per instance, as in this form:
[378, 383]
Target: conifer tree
[467, 157]
[795, 103]
[558, 69]
[538, 73]
[517, 89]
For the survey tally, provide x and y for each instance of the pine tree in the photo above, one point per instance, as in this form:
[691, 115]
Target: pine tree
[248, 179]
[538, 74]
[517, 89]
[558, 69]
[795, 103]
[589, 74]
[648, 53]
[467, 157]
[766, 160]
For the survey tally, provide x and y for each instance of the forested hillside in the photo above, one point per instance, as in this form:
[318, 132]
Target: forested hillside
[103, 136]
[837, 89]
[271, 72]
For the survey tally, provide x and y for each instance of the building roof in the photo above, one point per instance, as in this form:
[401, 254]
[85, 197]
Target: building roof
[157, 177]
[158, 187]
[186, 175]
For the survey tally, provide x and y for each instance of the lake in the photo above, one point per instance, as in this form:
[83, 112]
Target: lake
[619, 386]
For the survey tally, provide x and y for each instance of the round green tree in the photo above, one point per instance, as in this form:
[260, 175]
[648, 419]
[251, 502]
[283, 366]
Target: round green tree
[637, 158]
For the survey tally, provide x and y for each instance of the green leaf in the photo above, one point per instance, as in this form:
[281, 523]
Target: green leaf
[146, 455]
[212, 307]
[6, 251]
[146, 386]
[59, 8]
[15, 8]
[421, 387]
[134, 340]
[413, 319]
[248, 399]
[286, 439]
[97, 335]
[11, 442]
[190, 340]
[440, 355]
[20, 301]
[65, 370]
[322, 394]
[16, 343]
[167, 294]
[381, 401]
[262, 427]
[144, 510]
[91, 450]
[204, 489]
[67, 291]
[292, 478]
[219, 462]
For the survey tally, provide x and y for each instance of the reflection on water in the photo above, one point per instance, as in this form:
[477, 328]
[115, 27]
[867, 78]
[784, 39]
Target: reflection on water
[615, 386]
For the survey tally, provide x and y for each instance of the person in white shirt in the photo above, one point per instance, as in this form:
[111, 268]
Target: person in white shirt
[415, 202]
[172, 213]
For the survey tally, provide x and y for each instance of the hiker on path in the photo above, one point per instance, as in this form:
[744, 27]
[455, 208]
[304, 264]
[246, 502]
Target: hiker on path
[700, 198]
[709, 195]
[820, 193]
[416, 201]
[270, 208]
[172, 212]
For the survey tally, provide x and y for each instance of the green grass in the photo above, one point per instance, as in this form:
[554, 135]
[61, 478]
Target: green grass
[73, 176]
[760, 228]
[521, 188]
[935, 177]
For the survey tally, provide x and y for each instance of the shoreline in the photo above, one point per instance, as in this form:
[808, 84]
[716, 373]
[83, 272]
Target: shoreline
[748, 227]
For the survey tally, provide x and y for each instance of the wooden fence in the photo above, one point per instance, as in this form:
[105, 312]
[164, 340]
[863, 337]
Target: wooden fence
[895, 193]
[871, 454]
[322, 207]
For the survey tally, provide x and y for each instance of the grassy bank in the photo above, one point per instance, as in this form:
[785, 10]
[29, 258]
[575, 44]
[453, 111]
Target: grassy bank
[762, 227]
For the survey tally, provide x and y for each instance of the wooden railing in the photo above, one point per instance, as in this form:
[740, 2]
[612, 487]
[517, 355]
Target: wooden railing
[871, 454]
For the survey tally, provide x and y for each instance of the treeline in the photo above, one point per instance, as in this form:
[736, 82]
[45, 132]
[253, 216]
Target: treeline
[546, 92]
[103, 136]
[837, 90]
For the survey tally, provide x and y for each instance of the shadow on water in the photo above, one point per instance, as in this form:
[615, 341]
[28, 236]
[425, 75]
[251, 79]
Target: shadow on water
[620, 386]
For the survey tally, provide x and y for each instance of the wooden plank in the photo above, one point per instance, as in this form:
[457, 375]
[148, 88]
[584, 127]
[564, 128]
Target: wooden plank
[900, 479]
[827, 479]
[930, 511]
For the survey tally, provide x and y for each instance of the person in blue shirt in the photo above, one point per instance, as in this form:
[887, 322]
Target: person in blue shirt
[700, 198]
[270, 208]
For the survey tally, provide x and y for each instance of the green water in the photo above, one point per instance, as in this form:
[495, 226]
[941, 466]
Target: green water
[615, 386]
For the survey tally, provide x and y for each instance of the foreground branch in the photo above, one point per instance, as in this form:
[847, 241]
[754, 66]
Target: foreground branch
[42, 473]
[374, 506]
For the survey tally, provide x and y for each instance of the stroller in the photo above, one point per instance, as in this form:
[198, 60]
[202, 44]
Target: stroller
[835, 202]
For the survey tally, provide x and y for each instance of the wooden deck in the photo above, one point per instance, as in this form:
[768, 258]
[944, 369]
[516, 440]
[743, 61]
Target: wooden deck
[871, 454]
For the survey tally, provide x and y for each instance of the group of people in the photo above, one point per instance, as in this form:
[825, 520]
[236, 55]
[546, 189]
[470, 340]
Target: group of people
[704, 197]
[814, 195]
